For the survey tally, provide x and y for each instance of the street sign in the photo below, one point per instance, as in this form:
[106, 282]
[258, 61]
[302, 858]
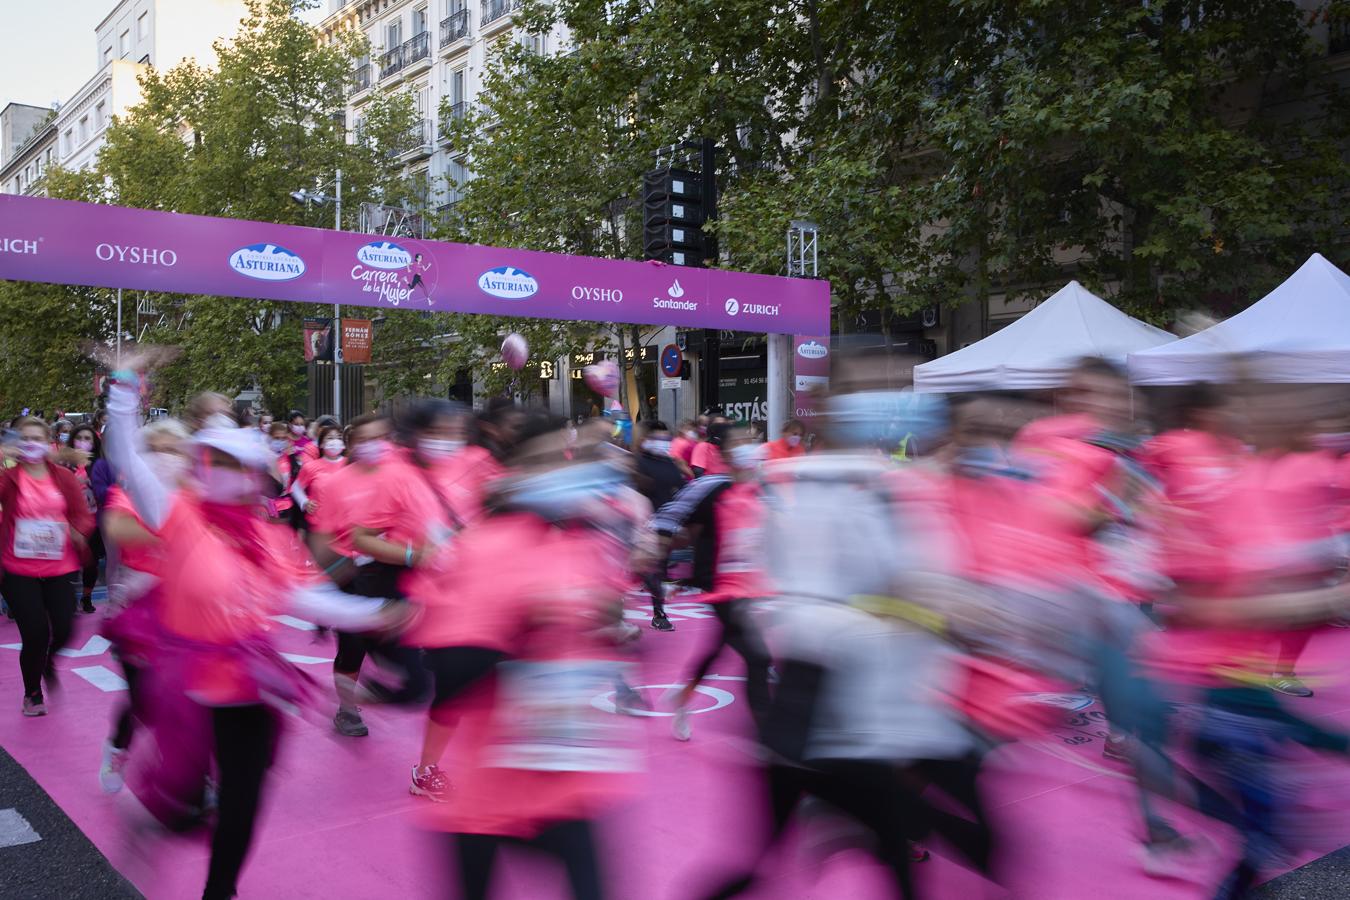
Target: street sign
[670, 384]
[672, 361]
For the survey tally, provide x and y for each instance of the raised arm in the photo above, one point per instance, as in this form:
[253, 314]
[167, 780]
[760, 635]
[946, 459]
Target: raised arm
[125, 449]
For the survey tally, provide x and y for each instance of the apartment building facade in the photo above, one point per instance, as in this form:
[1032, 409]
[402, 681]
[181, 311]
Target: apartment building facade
[27, 147]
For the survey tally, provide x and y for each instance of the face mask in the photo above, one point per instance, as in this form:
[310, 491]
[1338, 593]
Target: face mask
[745, 456]
[278, 445]
[219, 420]
[436, 448]
[265, 427]
[32, 451]
[64, 437]
[702, 431]
[656, 447]
[222, 485]
[565, 493]
[297, 429]
[691, 435]
[1338, 443]
[793, 440]
[85, 444]
[985, 460]
[170, 467]
[333, 449]
[370, 451]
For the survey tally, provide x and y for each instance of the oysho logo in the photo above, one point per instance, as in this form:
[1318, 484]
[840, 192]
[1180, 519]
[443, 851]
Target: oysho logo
[597, 295]
[18, 245]
[508, 283]
[384, 255]
[813, 350]
[139, 256]
[733, 306]
[267, 262]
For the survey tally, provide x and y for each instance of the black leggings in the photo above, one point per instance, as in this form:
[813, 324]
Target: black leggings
[245, 737]
[96, 552]
[738, 634]
[43, 608]
[125, 723]
[572, 842]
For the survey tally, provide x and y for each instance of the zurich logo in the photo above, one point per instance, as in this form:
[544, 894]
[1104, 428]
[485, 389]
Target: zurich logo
[267, 262]
[384, 255]
[733, 306]
[508, 283]
[813, 350]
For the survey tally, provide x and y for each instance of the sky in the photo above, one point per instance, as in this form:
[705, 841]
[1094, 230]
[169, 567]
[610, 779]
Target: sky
[47, 48]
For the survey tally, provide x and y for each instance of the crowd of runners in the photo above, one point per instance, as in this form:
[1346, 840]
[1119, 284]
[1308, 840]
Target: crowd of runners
[911, 581]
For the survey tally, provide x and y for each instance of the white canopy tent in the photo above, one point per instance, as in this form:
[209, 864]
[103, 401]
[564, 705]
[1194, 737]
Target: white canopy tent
[1298, 333]
[1036, 351]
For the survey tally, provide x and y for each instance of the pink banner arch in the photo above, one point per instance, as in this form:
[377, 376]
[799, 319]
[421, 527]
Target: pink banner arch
[68, 242]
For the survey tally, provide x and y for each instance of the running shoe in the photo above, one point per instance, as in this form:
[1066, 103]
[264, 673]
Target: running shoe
[1178, 857]
[87, 605]
[33, 706]
[1290, 686]
[918, 853]
[430, 783]
[628, 701]
[110, 772]
[349, 722]
[1117, 748]
[679, 726]
[662, 623]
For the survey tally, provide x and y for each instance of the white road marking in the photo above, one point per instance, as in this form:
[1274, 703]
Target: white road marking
[101, 677]
[306, 660]
[298, 624]
[15, 830]
[97, 645]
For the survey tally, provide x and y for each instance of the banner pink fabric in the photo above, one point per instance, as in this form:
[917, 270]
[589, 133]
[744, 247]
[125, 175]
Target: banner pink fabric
[68, 242]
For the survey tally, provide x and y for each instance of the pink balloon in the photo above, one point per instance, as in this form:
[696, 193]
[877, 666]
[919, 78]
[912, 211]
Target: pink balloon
[515, 351]
[602, 377]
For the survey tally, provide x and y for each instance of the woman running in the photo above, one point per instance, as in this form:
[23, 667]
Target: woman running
[315, 477]
[727, 511]
[44, 535]
[84, 440]
[132, 583]
[224, 571]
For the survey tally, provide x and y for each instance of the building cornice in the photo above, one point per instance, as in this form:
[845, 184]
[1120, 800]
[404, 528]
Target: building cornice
[30, 149]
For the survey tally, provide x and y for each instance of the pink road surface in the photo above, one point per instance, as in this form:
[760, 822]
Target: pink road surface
[339, 823]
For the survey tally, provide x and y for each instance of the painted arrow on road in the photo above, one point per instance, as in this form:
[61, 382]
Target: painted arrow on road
[97, 645]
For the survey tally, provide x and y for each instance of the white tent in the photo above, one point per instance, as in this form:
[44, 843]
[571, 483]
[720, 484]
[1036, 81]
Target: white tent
[1299, 333]
[1039, 349]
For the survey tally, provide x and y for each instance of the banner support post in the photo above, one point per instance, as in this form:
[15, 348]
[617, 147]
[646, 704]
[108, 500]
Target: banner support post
[337, 312]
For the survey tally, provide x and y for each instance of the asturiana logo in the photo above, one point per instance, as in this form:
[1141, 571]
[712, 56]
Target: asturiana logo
[267, 262]
[508, 283]
[384, 255]
[813, 350]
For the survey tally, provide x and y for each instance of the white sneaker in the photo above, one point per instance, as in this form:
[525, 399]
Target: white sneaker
[110, 772]
[679, 726]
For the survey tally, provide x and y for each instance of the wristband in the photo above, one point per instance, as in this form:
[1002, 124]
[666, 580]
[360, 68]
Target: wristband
[335, 565]
[407, 557]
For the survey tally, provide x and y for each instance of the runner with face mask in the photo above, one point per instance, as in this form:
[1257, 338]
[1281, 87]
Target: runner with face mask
[316, 476]
[85, 442]
[224, 571]
[43, 538]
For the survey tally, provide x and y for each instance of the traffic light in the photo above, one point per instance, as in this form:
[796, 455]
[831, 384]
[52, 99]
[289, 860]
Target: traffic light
[673, 216]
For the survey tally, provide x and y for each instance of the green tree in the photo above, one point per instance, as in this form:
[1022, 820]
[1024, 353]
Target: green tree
[234, 140]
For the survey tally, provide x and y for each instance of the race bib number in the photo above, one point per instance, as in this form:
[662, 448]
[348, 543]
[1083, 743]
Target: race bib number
[39, 539]
[551, 725]
[740, 551]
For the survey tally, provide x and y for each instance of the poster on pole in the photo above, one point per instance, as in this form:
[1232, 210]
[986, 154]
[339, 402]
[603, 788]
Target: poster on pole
[318, 339]
[357, 337]
[810, 374]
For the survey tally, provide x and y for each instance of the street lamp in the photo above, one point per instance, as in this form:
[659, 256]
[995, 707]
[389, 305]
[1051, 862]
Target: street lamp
[307, 197]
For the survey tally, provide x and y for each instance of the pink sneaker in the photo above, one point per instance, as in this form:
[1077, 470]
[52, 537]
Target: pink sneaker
[33, 706]
[430, 783]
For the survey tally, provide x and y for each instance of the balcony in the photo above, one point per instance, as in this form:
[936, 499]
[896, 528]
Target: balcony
[412, 54]
[453, 113]
[361, 79]
[415, 143]
[496, 11]
[454, 27]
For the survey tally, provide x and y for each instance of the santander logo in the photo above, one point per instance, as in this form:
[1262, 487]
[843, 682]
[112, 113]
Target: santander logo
[384, 255]
[813, 350]
[267, 262]
[675, 292]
